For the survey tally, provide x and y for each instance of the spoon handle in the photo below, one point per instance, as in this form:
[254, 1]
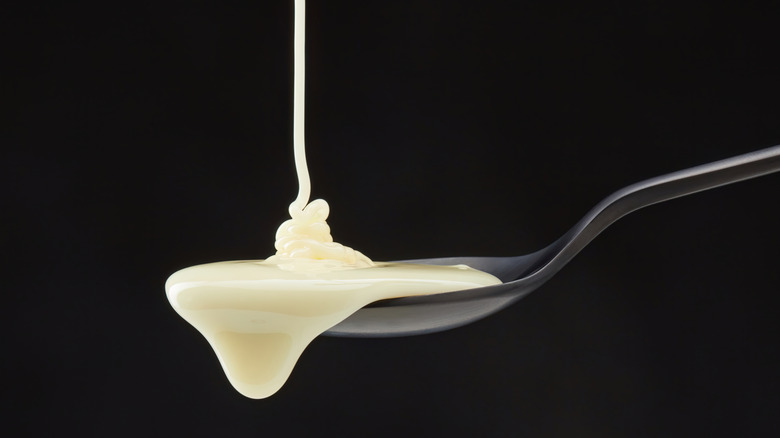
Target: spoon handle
[652, 191]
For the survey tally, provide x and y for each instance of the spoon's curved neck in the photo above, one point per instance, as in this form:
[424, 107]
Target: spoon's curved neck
[642, 194]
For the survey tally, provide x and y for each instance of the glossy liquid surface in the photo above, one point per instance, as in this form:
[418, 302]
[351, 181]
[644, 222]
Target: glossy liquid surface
[259, 317]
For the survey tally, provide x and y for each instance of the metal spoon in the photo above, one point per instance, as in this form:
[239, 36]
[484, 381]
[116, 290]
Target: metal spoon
[521, 275]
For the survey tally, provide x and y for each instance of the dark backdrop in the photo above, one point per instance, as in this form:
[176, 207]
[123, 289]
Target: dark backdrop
[142, 137]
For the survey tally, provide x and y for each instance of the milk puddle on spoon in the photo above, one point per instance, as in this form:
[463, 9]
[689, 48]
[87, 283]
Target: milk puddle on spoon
[259, 315]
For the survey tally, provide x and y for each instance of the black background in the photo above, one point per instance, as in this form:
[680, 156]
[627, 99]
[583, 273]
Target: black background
[139, 138]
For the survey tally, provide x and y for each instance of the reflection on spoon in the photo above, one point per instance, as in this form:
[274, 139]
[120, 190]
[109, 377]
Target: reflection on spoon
[523, 274]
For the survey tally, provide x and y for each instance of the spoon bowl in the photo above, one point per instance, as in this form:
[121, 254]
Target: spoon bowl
[522, 275]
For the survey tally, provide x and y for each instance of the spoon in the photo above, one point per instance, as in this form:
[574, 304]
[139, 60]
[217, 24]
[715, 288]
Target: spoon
[521, 275]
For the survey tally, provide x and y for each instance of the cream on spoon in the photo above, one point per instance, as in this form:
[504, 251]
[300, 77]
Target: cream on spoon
[259, 315]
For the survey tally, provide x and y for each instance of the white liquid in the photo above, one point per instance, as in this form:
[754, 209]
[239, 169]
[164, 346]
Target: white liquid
[259, 316]
[307, 236]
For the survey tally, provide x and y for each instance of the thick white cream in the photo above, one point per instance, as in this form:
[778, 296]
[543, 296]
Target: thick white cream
[259, 315]
[305, 239]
